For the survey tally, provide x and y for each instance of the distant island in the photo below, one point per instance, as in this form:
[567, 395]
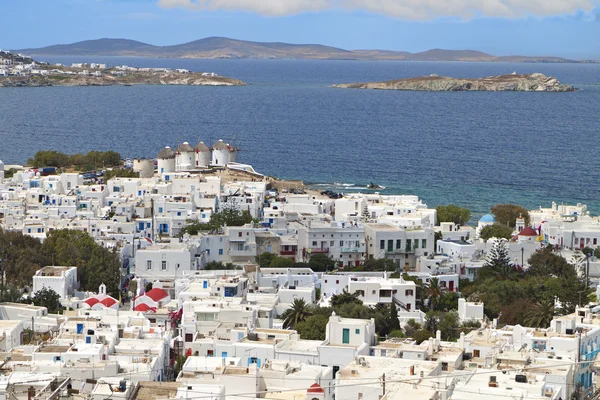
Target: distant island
[17, 70]
[219, 47]
[514, 82]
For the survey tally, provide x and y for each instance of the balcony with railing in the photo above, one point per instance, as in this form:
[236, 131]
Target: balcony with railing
[318, 250]
[403, 250]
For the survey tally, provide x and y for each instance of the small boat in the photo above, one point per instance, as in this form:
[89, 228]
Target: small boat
[126, 84]
[373, 186]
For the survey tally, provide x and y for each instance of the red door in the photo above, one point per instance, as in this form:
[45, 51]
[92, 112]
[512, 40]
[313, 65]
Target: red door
[451, 286]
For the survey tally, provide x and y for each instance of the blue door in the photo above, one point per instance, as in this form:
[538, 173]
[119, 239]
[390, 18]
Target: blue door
[346, 336]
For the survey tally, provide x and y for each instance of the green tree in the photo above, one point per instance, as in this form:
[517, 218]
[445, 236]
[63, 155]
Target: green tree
[507, 214]
[264, 259]
[545, 262]
[541, 313]
[228, 216]
[298, 312]
[48, 298]
[345, 298]
[9, 173]
[281, 262]
[422, 335]
[453, 213]
[498, 263]
[448, 325]
[120, 173]
[397, 333]
[515, 312]
[218, 265]
[411, 327]
[365, 216]
[394, 321]
[382, 264]
[20, 257]
[433, 291]
[313, 328]
[496, 231]
[321, 263]
[49, 158]
[448, 301]
[95, 264]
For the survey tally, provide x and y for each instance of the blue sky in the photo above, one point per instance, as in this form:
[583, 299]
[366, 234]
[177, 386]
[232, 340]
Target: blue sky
[568, 28]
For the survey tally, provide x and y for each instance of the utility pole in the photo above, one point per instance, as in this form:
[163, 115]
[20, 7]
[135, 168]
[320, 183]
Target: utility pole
[383, 382]
[522, 256]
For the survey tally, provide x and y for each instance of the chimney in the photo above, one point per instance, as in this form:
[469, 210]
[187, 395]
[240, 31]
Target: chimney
[461, 341]
[438, 337]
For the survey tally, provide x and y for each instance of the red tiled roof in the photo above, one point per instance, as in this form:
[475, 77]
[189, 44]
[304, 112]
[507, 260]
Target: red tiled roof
[91, 301]
[315, 388]
[157, 294]
[528, 231]
[143, 308]
[108, 302]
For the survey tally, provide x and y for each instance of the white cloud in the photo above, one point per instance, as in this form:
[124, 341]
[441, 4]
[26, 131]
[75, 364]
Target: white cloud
[263, 7]
[405, 9]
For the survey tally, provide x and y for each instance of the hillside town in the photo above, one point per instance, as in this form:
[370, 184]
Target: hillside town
[17, 66]
[231, 284]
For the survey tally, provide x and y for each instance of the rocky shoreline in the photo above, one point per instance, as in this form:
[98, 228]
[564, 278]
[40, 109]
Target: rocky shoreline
[169, 78]
[535, 82]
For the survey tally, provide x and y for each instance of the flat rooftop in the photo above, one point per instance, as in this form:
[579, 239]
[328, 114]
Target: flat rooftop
[156, 390]
[301, 345]
[53, 271]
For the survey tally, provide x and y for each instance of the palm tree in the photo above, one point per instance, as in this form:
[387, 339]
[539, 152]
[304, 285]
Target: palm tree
[433, 291]
[298, 312]
[541, 313]
[345, 298]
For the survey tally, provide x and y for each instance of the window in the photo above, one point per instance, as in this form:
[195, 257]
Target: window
[423, 243]
[239, 234]
[408, 244]
[382, 244]
[220, 252]
[179, 213]
[164, 265]
[595, 241]
[416, 243]
[408, 292]
[160, 209]
[358, 243]
[148, 265]
[341, 243]
[390, 246]
[398, 244]
[357, 331]
[337, 281]
[314, 244]
[208, 252]
[331, 243]
[177, 266]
